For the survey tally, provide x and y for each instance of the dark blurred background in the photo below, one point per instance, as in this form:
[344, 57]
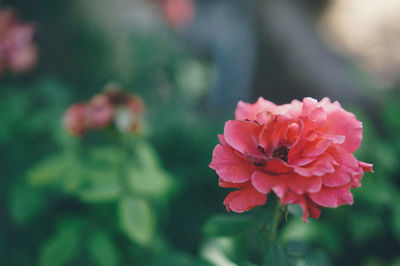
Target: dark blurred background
[61, 197]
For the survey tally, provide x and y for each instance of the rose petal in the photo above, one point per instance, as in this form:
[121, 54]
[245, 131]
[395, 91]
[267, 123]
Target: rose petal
[366, 166]
[337, 139]
[242, 136]
[341, 122]
[281, 183]
[356, 180]
[332, 197]
[281, 191]
[313, 111]
[222, 139]
[244, 199]
[274, 135]
[308, 207]
[292, 110]
[315, 210]
[250, 111]
[300, 185]
[278, 166]
[287, 198]
[229, 166]
[314, 150]
[339, 178]
[225, 184]
[323, 165]
[302, 161]
[293, 132]
[345, 160]
[265, 118]
[264, 182]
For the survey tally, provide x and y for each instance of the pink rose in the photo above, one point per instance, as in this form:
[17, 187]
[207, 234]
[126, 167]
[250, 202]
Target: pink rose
[18, 52]
[75, 119]
[135, 104]
[116, 107]
[302, 151]
[128, 117]
[21, 52]
[178, 13]
[100, 112]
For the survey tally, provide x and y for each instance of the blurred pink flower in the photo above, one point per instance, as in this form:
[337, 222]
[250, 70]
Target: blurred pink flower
[100, 112]
[129, 109]
[178, 13]
[111, 107]
[302, 151]
[18, 53]
[128, 117]
[75, 119]
[135, 104]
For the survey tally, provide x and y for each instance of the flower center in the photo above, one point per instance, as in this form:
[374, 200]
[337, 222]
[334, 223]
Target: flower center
[282, 153]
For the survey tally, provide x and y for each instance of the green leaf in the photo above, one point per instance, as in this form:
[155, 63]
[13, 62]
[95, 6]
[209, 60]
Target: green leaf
[176, 258]
[101, 193]
[311, 233]
[391, 111]
[219, 251]
[317, 258]
[152, 182]
[372, 226]
[101, 185]
[136, 219]
[383, 190]
[193, 79]
[146, 175]
[103, 250]
[296, 249]
[49, 170]
[13, 111]
[64, 170]
[105, 156]
[25, 202]
[275, 255]
[62, 247]
[146, 155]
[295, 209]
[100, 175]
[395, 220]
[228, 225]
[299, 253]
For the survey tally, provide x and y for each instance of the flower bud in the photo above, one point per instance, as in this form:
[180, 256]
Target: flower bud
[75, 119]
[18, 53]
[135, 104]
[126, 120]
[178, 13]
[100, 112]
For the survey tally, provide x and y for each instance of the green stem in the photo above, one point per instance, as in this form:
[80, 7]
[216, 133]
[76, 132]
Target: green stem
[124, 171]
[275, 222]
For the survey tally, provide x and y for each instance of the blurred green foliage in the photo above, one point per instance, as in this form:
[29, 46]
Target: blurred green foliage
[112, 199]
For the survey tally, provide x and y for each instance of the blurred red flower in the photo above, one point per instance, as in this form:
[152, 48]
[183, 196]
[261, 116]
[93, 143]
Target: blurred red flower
[111, 107]
[178, 13]
[18, 53]
[75, 119]
[302, 151]
[100, 112]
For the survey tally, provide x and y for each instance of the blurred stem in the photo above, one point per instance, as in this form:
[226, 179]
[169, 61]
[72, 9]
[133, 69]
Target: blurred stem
[275, 221]
[286, 213]
[125, 162]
